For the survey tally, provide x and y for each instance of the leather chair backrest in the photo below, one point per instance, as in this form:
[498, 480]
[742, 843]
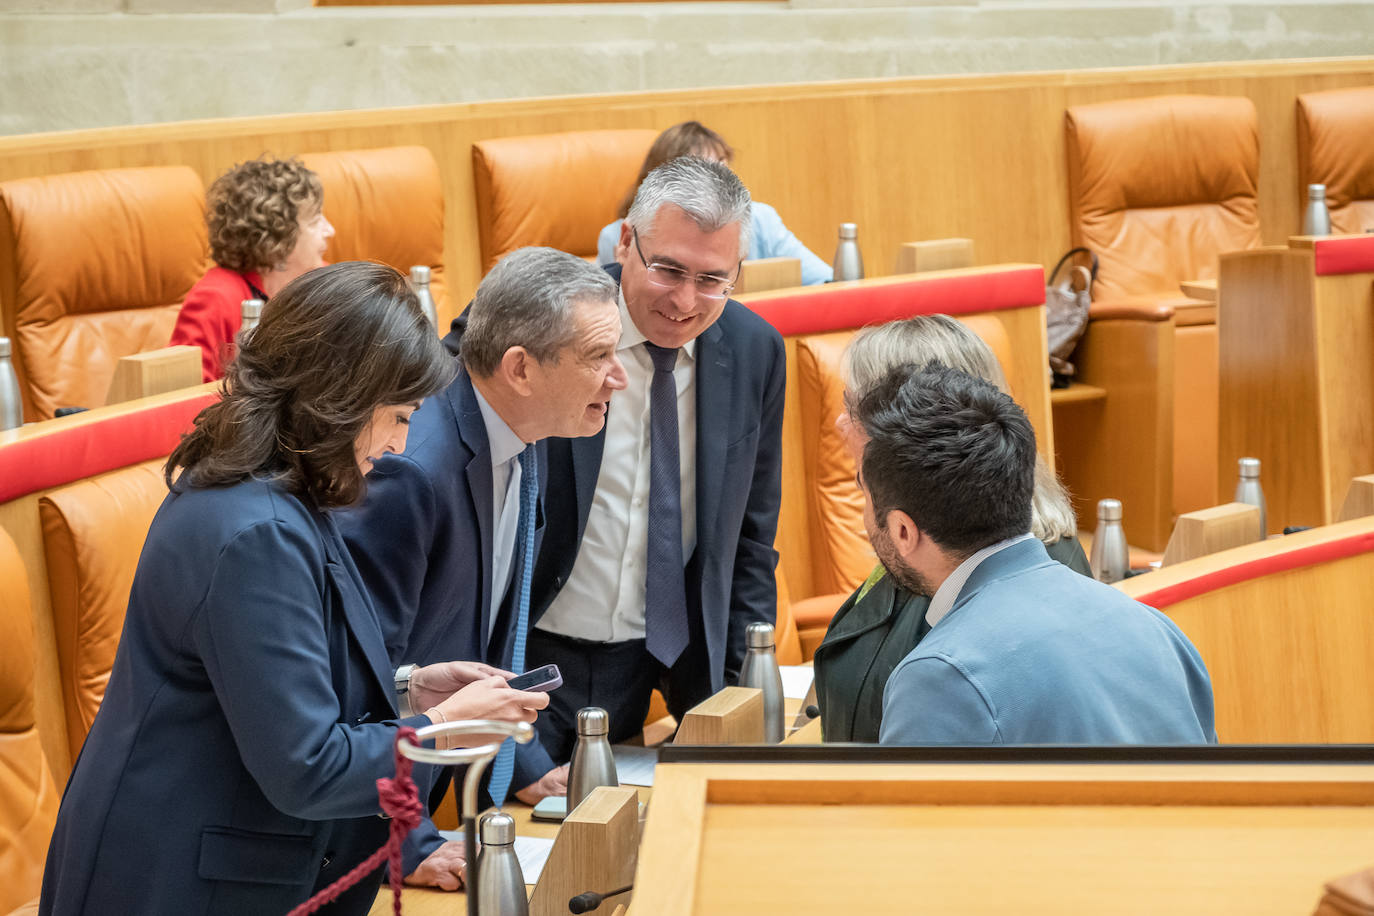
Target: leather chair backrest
[93, 267]
[1336, 148]
[386, 205]
[553, 189]
[28, 797]
[93, 533]
[841, 553]
[1159, 187]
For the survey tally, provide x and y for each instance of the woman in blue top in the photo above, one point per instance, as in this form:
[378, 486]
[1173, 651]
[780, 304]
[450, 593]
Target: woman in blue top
[232, 767]
[769, 238]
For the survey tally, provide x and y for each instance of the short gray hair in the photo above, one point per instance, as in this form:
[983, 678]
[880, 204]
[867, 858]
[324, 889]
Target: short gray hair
[711, 194]
[527, 301]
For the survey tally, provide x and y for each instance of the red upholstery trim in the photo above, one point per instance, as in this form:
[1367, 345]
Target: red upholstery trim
[852, 305]
[1243, 572]
[1350, 255]
[30, 465]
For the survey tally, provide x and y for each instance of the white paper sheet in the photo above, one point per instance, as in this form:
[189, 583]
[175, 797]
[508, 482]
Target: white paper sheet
[796, 680]
[634, 766]
[532, 851]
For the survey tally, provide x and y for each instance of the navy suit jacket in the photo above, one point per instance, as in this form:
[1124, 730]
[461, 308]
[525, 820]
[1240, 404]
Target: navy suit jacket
[741, 372]
[422, 540]
[232, 767]
[1034, 653]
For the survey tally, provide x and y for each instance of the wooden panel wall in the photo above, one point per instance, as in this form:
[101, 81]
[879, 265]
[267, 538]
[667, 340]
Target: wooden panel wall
[979, 157]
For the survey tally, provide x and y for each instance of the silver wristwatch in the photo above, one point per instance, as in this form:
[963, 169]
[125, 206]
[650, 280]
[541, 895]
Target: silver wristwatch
[403, 675]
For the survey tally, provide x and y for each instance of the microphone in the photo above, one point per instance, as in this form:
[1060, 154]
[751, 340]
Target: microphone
[812, 711]
[590, 900]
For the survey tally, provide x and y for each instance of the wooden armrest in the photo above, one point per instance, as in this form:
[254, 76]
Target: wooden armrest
[768, 273]
[1130, 310]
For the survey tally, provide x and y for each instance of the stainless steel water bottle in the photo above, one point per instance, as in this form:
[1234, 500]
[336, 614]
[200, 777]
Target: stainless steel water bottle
[419, 278]
[500, 882]
[593, 764]
[252, 314]
[1110, 558]
[760, 671]
[1248, 491]
[11, 404]
[849, 264]
[1316, 219]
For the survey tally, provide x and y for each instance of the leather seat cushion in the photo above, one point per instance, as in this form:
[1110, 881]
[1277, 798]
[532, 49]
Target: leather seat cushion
[1336, 148]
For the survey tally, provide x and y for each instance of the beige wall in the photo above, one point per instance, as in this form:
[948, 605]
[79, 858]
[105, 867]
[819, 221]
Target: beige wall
[89, 63]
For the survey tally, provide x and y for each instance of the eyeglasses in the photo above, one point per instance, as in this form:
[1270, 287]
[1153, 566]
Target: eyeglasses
[708, 286]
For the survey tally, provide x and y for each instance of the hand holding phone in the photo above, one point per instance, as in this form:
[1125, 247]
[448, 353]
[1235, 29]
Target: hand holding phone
[546, 678]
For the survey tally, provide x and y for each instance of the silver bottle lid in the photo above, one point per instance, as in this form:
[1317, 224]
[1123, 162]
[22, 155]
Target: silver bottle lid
[759, 636]
[252, 308]
[498, 829]
[849, 230]
[4, 346]
[1250, 468]
[419, 274]
[1109, 510]
[592, 720]
[1316, 192]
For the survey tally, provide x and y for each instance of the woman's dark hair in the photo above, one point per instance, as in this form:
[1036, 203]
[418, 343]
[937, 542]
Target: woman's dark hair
[335, 344]
[690, 138]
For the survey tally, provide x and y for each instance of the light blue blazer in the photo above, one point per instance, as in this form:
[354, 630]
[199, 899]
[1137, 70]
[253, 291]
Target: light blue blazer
[1034, 653]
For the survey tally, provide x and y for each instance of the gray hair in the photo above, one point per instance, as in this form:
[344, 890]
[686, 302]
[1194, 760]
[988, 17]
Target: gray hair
[711, 194]
[527, 301]
[940, 339]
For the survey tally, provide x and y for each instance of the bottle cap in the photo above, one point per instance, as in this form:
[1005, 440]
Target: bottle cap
[4, 346]
[419, 274]
[498, 829]
[849, 230]
[1250, 468]
[1109, 510]
[592, 720]
[252, 308]
[1316, 192]
[759, 636]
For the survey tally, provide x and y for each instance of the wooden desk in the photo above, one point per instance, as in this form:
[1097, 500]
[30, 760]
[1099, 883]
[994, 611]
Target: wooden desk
[1205, 290]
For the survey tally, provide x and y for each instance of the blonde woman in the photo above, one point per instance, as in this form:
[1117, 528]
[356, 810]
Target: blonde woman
[881, 622]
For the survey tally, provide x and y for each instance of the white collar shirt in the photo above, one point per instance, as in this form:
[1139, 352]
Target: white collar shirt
[603, 599]
[942, 602]
[505, 447]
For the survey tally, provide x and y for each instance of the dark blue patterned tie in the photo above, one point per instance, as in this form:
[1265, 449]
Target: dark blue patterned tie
[504, 767]
[665, 590]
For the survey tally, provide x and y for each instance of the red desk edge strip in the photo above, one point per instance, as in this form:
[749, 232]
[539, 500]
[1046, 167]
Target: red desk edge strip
[69, 455]
[1243, 572]
[1353, 255]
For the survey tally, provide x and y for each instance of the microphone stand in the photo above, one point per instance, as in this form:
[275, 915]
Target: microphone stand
[477, 759]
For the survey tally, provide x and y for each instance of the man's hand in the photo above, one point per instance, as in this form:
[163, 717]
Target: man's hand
[446, 868]
[554, 782]
[432, 684]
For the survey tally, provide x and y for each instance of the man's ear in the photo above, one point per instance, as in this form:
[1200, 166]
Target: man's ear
[516, 366]
[622, 247]
[903, 533]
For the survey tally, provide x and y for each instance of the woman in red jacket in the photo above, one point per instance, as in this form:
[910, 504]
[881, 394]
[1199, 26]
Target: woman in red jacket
[267, 227]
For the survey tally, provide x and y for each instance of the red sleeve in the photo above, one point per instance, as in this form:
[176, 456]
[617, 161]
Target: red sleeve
[210, 317]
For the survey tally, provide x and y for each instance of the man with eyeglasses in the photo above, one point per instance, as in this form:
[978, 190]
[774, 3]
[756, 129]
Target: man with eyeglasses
[658, 545]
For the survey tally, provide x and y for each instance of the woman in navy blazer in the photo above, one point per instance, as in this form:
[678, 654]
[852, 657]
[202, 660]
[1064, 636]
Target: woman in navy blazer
[232, 767]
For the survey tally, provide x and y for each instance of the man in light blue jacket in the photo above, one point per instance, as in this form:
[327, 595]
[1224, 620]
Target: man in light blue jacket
[1022, 649]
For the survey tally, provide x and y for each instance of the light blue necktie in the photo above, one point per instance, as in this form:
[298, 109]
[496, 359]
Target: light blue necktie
[504, 766]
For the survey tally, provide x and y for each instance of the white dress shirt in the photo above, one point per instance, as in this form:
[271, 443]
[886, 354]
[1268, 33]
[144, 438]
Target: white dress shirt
[603, 599]
[942, 602]
[505, 447]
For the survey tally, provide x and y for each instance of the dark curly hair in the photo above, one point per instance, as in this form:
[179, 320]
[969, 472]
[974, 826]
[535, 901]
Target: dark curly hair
[332, 346]
[254, 211]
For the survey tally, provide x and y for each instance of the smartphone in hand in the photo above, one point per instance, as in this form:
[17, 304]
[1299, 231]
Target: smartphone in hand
[546, 678]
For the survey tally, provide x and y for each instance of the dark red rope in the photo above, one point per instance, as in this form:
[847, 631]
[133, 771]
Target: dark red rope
[401, 801]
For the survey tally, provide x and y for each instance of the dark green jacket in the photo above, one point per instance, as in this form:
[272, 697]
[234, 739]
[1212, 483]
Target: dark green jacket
[868, 636]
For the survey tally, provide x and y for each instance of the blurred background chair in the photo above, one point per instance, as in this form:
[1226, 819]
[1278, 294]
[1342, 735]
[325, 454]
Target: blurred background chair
[1336, 148]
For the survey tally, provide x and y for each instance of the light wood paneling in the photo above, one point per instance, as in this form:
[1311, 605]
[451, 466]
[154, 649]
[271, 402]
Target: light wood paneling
[934, 254]
[768, 273]
[1359, 499]
[142, 375]
[948, 179]
[734, 715]
[1205, 531]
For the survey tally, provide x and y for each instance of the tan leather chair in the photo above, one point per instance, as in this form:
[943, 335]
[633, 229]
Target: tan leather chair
[1336, 148]
[93, 533]
[94, 266]
[386, 205]
[516, 179]
[1158, 188]
[28, 797]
